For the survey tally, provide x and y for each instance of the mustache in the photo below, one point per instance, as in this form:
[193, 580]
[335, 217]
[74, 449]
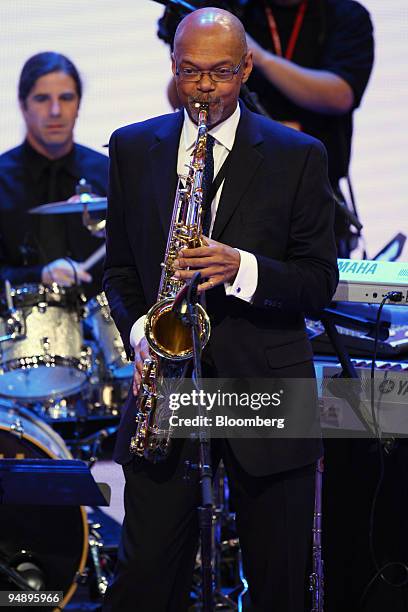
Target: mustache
[210, 100]
[215, 108]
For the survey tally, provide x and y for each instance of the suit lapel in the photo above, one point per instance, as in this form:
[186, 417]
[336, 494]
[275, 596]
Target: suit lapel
[163, 158]
[244, 160]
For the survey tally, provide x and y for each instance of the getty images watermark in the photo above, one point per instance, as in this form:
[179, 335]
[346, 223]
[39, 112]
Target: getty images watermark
[223, 402]
[327, 406]
[240, 408]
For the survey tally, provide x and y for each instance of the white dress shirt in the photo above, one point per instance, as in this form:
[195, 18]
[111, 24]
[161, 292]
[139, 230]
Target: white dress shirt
[246, 280]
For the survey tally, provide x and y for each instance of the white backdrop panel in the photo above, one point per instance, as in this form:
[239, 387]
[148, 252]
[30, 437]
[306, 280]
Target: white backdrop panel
[126, 68]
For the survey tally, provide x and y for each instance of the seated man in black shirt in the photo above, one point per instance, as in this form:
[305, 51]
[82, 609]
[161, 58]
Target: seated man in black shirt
[46, 167]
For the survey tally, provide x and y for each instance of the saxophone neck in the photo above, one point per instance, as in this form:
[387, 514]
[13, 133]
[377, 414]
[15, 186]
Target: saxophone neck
[202, 116]
[199, 152]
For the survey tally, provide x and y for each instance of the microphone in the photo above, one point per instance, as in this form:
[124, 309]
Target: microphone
[180, 303]
[187, 296]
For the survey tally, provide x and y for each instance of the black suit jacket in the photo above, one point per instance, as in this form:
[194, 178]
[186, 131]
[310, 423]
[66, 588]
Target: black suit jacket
[277, 204]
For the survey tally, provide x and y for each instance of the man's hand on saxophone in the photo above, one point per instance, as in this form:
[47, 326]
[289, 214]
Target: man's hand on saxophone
[217, 262]
[141, 353]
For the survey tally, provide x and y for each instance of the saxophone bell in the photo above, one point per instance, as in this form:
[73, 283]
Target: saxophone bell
[166, 333]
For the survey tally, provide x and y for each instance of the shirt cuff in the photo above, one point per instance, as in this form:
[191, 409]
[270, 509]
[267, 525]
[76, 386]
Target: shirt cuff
[246, 280]
[137, 331]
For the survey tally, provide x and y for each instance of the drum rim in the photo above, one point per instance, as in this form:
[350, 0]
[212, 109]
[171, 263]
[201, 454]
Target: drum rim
[30, 416]
[82, 561]
[60, 442]
[29, 295]
[47, 360]
[82, 365]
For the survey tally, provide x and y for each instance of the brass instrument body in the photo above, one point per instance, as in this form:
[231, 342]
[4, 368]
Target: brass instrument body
[170, 341]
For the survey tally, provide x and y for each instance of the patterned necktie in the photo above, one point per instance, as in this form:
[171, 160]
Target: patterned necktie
[208, 177]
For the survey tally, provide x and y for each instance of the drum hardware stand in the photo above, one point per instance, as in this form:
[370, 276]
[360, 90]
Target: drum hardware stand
[221, 517]
[95, 226]
[87, 449]
[53, 410]
[209, 517]
[15, 324]
[95, 545]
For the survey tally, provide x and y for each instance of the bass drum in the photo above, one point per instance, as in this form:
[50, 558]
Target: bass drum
[50, 543]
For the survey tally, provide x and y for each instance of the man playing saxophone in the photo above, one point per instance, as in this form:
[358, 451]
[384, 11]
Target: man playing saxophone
[269, 256]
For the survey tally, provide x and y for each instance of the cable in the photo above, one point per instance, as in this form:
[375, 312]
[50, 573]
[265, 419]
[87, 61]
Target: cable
[71, 263]
[394, 296]
[378, 573]
[372, 369]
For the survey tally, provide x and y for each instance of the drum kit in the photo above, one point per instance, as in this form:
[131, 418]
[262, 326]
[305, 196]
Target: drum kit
[59, 352]
[63, 377]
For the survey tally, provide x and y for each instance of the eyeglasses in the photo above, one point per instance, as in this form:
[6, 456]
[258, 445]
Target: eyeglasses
[219, 75]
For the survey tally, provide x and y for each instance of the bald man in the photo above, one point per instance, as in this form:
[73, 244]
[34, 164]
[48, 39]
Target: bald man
[270, 256]
[312, 62]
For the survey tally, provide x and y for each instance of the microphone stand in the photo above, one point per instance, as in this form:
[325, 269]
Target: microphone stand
[205, 511]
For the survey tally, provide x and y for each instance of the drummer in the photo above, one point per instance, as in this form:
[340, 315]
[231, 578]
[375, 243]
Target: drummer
[46, 167]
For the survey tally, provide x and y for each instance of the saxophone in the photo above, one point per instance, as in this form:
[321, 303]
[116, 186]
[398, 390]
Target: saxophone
[170, 341]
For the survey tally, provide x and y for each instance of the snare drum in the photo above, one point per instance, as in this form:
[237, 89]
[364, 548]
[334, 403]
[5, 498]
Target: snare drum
[48, 358]
[52, 539]
[108, 338]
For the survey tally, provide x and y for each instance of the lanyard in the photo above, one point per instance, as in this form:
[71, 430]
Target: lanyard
[273, 28]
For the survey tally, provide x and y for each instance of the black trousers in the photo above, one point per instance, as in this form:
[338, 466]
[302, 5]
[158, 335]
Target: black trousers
[160, 533]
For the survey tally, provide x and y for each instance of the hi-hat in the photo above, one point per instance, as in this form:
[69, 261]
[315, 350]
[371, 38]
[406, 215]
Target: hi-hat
[76, 204]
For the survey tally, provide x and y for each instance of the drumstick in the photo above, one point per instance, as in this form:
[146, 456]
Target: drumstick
[9, 299]
[94, 258]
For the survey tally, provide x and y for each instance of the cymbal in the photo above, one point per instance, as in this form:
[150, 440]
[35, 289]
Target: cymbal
[76, 204]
